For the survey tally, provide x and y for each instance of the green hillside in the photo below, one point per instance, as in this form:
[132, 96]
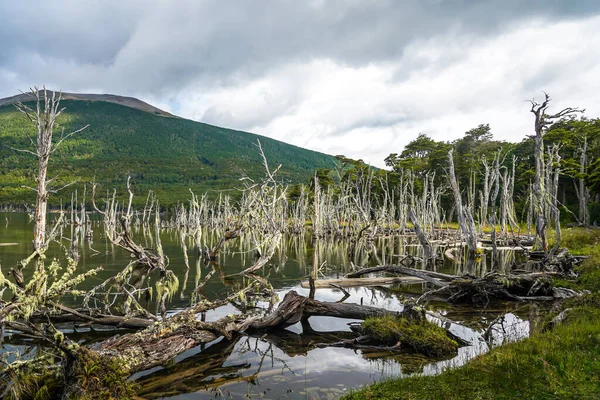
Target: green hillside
[167, 155]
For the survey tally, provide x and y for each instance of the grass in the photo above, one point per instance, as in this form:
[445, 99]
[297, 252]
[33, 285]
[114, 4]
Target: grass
[582, 241]
[560, 364]
[563, 363]
[422, 336]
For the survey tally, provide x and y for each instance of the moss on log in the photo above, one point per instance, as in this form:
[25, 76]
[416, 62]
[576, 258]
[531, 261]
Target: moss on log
[422, 336]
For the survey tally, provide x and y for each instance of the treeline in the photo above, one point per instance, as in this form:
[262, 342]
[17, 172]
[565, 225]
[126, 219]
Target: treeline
[572, 148]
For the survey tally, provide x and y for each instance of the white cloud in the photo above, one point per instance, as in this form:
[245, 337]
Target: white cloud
[370, 111]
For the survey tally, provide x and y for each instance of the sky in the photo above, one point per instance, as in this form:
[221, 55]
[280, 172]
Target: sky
[354, 77]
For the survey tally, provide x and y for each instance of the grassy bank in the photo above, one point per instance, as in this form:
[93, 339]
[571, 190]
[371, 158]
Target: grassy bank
[563, 363]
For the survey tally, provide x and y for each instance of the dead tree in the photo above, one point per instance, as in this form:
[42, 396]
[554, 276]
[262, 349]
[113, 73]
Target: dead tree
[582, 191]
[428, 253]
[540, 196]
[149, 259]
[465, 218]
[44, 120]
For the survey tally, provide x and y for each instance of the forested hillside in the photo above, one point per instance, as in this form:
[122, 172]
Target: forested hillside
[167, 155]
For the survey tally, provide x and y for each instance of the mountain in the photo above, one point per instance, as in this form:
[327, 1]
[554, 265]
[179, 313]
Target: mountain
[109, 98]
[161, 152]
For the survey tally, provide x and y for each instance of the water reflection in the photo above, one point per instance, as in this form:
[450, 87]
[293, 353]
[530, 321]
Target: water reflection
[289, 363]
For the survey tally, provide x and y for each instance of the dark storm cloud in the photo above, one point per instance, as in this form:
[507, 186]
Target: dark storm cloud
[81, 31]
[159, 47]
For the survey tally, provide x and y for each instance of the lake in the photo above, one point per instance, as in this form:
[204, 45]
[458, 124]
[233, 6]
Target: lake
[286, 364]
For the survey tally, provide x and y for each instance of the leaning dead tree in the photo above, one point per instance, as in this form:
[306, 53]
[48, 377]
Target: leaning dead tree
[44, 116]
[541, 196]
[582, 191]
[428, 252]
[465, 218]
[121, 236]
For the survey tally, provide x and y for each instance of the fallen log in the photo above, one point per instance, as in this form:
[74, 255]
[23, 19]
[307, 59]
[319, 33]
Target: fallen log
[360, 282]
[294, 307]
[507, 248]
[395, 269]
[496, 286]
[89, 316]
[165, 339]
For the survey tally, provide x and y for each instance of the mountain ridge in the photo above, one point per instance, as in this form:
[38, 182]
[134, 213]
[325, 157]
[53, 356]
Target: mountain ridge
[127, 101]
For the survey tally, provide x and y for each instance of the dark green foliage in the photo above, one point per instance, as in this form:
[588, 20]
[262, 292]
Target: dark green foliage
[423, 336]
[427, 155]
[167, 155]
[96, 377]
[324, 177]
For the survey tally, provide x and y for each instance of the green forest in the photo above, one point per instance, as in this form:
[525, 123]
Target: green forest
[576, 142]
[166, 155]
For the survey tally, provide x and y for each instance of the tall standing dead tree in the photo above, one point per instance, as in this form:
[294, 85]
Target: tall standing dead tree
[582, 191]
[465, 218]
[45, 120]
[541, 196]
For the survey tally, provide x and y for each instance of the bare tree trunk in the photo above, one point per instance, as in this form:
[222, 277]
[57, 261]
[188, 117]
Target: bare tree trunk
[41, 204]
[465, 219]
[44, 119]
[583, 193]
[540, 193]
[316, 217]
[428, 254]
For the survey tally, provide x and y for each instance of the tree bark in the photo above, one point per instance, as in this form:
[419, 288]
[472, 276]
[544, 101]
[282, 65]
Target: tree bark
[428, 276]
[428, 254]
[465, 218]
[540, 195]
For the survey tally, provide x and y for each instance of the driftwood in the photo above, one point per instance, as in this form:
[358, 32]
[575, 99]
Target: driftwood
[63, 314]
[294, 307]
[496, 286]
[228, 235]
[428, 276]
[562, 261]
[428, 253]
[360, 282]
[401, 270]
[162, 341]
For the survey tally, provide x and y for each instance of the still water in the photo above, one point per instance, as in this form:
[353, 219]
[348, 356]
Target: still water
[286, 364]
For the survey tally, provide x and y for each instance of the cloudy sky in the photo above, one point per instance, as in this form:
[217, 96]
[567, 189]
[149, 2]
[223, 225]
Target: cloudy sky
[354, 77]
